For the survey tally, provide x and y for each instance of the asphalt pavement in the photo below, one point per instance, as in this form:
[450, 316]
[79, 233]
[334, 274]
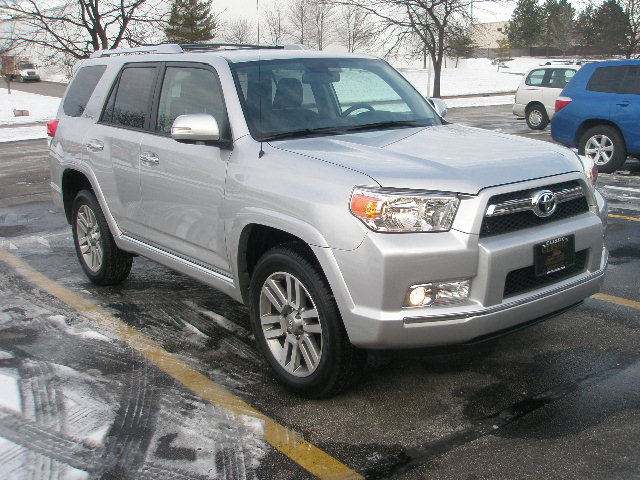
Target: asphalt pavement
[159, 377]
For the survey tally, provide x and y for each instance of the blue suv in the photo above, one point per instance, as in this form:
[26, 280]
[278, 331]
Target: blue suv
[599, 113]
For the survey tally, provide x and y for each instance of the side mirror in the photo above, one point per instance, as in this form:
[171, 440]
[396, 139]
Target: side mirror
[439, 105]
[195, 127]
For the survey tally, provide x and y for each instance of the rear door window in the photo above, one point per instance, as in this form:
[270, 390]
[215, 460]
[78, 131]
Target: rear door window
[536, 78]
[81, 89]
[129, 104]
[560, 77]
[607, 79]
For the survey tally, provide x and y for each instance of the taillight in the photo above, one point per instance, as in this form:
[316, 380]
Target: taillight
[52, 126]
[562, 102]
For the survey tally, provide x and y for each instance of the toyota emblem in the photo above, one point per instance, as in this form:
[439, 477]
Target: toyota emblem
[544, 203]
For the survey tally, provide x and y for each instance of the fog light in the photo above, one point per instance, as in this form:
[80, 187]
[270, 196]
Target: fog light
[438, 293]
[420, 295]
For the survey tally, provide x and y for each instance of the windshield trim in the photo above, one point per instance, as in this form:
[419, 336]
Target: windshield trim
[255, 134]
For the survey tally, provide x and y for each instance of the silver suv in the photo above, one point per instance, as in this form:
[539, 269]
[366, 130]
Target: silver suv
[326, 194]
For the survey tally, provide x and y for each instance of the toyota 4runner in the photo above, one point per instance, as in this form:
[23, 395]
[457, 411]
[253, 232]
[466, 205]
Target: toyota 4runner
[324, 192]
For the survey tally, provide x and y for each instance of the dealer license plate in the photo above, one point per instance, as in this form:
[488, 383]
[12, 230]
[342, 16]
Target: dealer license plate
[554, 255]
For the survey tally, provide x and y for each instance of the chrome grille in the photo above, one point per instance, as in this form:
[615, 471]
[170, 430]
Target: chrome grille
[514, 211]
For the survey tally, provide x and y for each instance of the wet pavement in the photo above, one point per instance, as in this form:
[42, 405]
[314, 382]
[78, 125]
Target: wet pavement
[557, 400]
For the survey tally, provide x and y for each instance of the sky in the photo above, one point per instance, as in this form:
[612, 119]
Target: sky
[483, 10]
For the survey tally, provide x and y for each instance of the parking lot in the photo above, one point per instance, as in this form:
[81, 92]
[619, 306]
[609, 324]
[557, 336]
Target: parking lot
[159, 377]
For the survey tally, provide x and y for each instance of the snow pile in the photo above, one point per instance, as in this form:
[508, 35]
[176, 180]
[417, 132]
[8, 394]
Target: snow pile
[41, 108]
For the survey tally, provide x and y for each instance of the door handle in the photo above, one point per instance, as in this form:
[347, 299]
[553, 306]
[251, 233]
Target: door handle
[149, 158]
[623, 104]
[95, 146]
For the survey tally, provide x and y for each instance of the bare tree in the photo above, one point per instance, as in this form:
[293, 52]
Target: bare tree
[299, 21]
[275, 21]
[355, 28]
[76, 28]
[432, 22]
[321, 15]
[239, 31]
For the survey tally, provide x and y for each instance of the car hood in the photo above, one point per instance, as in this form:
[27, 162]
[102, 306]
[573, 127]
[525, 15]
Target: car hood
[444, 158]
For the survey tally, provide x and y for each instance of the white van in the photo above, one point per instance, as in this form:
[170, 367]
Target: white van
[537, 93]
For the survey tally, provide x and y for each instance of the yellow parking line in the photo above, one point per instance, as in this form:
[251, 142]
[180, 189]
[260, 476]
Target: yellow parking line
[308, 456]
[617, 300]
[625, 217]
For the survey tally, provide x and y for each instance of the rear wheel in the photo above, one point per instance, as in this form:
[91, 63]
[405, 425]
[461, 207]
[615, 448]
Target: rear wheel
[298, 327]
[537, 118]
[102, 261]
[605, 146]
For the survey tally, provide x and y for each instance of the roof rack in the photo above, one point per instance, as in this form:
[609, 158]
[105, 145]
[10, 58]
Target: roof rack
[217, 46]
[162, 48]
[174, 48]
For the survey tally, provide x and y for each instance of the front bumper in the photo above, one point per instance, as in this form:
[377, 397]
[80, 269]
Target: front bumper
[370, 282]
[519, 109]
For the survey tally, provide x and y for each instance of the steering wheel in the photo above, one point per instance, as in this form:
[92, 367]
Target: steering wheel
[355, 107]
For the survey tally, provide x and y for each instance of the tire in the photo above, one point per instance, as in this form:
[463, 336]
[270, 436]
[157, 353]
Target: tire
[102, 261]
[21, 79]
[605, 146]
[316, 358]
[536, 116]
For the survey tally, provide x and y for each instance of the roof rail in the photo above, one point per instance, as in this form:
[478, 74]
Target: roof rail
[162, 48]
[230, 46]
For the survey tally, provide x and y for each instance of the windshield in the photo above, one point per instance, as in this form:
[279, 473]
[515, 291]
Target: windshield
[23, 66]
[326, 96]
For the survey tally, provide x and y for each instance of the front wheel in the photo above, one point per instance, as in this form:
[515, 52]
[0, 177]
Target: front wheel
[102, 261]
[298, 327]
[537, 118]
[605, 146]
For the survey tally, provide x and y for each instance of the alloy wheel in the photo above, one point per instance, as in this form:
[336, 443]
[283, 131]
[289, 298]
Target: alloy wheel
[599, 148]
[291, 324]
[89, 238]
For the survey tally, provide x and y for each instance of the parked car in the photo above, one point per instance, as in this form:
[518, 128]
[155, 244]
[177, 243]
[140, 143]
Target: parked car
[324, 192]
[537, 93]
[599, 113]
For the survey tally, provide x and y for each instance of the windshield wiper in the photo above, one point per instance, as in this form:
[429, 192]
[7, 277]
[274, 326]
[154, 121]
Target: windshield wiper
[305, 133]
[394, 123]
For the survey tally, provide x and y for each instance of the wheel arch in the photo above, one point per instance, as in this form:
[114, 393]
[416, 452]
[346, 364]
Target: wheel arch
[594, 122]
[73, 181]
[254, 241]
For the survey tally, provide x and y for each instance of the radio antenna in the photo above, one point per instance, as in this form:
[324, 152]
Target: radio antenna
[260, 86]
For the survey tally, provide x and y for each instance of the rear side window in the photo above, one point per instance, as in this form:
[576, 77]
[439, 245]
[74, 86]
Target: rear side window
[81, 89]
[607, 79]
[536, 78]
[129, 103]
[631, 82]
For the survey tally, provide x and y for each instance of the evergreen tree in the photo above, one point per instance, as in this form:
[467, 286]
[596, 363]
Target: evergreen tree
[462, 46]
[605, 27]
[526, 27]
[559, 29]
[191, 21]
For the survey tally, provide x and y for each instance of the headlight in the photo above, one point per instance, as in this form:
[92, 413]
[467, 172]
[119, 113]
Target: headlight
[387, 210]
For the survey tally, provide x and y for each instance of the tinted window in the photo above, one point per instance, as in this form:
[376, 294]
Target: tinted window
[128, 104]
[560, 77]
[607, 79]
[81, 89]
[189, 90]
[631, 82]
[535, 78]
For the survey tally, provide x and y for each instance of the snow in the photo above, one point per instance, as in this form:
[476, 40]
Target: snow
[41, 108]
[9, 390]
[23, 133]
